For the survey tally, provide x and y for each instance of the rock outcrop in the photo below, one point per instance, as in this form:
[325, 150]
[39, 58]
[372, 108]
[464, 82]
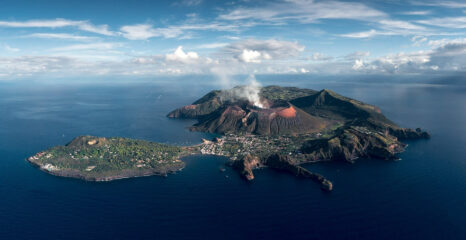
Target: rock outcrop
[352, 142]
[409, 134]
[284, 163]
[246, 165]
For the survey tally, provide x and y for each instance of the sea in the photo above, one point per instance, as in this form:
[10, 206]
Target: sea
[421, 196]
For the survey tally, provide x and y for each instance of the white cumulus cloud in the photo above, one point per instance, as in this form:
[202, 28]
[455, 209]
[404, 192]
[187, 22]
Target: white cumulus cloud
[250, 56]
[180, 56]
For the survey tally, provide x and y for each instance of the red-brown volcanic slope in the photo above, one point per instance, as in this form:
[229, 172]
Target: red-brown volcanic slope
[287, 112]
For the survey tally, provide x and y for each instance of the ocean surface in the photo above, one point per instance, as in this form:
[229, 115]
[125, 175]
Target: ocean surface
[423, 196]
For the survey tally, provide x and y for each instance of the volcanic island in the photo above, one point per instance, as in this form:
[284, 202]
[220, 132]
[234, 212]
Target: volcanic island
[275, 127]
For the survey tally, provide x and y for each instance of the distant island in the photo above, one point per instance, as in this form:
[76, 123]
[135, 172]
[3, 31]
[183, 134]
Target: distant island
[275, 127]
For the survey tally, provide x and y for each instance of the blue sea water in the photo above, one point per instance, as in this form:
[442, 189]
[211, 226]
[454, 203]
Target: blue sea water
[423, 196]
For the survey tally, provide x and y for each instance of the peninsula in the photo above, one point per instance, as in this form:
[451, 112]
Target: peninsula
[275, 127]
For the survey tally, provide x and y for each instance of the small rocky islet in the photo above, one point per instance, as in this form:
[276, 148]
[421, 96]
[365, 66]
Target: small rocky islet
[275, 127]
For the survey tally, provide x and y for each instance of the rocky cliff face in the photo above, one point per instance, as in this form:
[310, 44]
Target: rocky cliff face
[351, 143]
[284, 163]
[246, 165]
[407, 134]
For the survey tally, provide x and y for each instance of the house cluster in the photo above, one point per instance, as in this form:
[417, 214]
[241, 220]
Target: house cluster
[234, 146]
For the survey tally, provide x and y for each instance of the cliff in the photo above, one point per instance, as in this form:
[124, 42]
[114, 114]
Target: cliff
[247, 164]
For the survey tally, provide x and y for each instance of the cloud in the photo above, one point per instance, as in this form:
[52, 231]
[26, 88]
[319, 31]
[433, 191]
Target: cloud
[416, 13]
[252, 56]
[358, 64]
[303, 70]
[63, 66]
[98, 51]
[89, 46]
[100, 29]
[63, 36]
[212, 45]
[234, 58]
[147, 31]
[320, 57]
[418, 40]
[449, 57]
[393, 63]
[180, 56]
[11, 49]
[188, 3]
[365, 34]
[389, 27]
[357, 55]
[304, 11]
[59, 23]
[446, 4]
[139, 32]
[444, 41]
[357, 58]
[397, 24]
[254, 51]
[31, 65]
[175, 63]
[448, 22]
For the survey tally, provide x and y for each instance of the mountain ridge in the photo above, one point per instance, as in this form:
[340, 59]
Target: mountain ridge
[316, 110]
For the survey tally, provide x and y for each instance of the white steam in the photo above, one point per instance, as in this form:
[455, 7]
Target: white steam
[248, 92]
[252, 90]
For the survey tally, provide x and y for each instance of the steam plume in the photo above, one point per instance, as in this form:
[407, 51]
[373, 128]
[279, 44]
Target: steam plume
[248, 92]
[252, 91]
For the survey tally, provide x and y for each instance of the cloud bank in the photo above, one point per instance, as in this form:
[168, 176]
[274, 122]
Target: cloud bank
[244, 37]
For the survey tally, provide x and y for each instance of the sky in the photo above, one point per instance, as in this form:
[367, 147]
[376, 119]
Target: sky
[55, 38]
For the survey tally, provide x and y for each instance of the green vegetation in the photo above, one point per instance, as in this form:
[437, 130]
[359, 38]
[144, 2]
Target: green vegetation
[106, 157]
[277, 93]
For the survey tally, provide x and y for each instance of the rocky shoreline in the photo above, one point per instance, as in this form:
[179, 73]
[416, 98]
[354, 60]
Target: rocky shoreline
[246, 165]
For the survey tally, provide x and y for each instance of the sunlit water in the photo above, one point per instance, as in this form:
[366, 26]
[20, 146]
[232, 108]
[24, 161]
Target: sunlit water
[421, 196]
